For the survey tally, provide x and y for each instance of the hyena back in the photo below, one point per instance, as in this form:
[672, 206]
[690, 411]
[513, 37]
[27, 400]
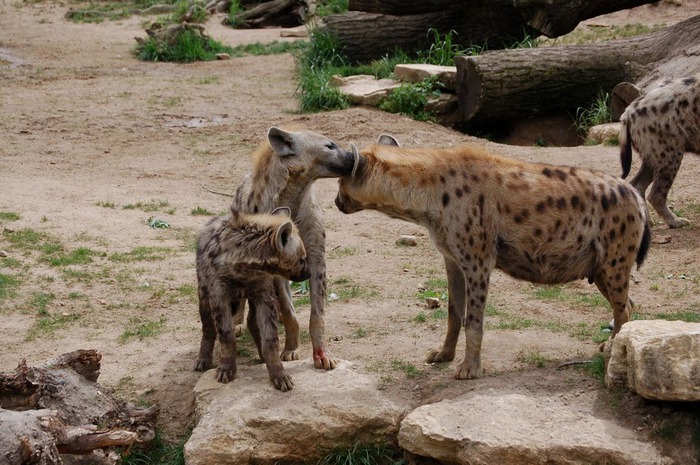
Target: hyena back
[661, 125]
[541, 223]
[284, 170]
[236, 255]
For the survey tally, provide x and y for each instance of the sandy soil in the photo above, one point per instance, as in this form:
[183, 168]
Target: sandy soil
[87, 132]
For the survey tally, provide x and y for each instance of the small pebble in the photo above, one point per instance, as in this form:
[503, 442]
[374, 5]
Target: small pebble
[407, 240]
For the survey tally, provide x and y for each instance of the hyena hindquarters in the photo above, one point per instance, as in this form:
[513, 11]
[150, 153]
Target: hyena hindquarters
[285, 168]
[236, 255]
[661, 125]
[541, 223]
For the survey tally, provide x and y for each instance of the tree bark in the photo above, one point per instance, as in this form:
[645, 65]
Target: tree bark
[373, 28]
[518, 83]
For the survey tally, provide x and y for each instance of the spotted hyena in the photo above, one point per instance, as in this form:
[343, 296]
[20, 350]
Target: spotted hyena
[236, 255]
[661, 125]
[284, 170]
[541, 223]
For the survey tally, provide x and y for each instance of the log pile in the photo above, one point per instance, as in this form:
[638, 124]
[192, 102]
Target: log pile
[58, 408]
[374, 28]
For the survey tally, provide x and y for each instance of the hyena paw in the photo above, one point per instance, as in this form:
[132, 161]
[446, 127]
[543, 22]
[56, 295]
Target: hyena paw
[289, 355]
[202, 364]
[323, 359]
[283, 382]
[468, 372]
[439, 356]
[238, 330]
[678, 223]
[225, 374]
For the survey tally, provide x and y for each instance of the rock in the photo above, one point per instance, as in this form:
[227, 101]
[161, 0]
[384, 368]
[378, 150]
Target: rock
[657, 359]
[515, 429]
[432, 302]
[364, 89]
[446, 75]
[223, 56]
[604, 132]
[249, 421]
[407, 240]
[4, 254]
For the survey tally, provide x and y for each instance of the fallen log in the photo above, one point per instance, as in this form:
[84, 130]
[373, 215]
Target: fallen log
[54, 409]
[283, 13]
[519, 83]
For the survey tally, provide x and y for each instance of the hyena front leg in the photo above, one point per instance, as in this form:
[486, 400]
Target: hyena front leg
[617, 294]
[477, 291]
[262, 321]
[315, 257]
[455, 315]
[289, 320]
[663, 179]
[238, 314]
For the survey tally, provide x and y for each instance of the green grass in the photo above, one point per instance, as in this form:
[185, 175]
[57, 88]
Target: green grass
[346, 289]
[188, 46]
[150, 206]
[79, 256]
[411, 100]
[201, 211]
[364, 455]
[359, 333]
[407, 368]
[599, 112]
[157, 452]
[689, 316]
[9, 216]
[106, 204]
[192, 8]
[443, 49]
[434, 287]
[331, 7]
[8, 284]
[295, 47]
[562, 294]
[596, 367]
[139, 254]
[533, 358]
[140, 330]
[46, 323]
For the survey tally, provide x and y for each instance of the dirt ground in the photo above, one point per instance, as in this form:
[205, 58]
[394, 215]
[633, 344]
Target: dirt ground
[94, 142]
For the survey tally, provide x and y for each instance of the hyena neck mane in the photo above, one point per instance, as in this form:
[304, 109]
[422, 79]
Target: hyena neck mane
[272, 184]
[247, 251]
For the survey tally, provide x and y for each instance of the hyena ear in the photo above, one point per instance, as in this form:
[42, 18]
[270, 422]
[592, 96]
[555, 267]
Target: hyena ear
[282, 211]
[235, 214]
[386, 139]
[282, 235]
[281, 141]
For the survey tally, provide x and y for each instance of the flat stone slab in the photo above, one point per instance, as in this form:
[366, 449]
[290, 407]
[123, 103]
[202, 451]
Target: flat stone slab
[446, 75]
[514, 429]
[657, 359]
[364, 89]
[249, 421]
[604, 132]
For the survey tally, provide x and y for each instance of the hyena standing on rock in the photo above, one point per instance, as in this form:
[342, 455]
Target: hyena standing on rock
[284, 170]
[541, 223]
[236, 255]
[661, 125]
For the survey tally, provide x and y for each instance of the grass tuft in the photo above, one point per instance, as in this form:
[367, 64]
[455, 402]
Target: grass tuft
[358, 454]
[186, 47]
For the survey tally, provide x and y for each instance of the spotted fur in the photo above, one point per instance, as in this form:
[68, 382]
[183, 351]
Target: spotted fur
[284, 170]
[541, 223]
[661, 125]
[236, 255]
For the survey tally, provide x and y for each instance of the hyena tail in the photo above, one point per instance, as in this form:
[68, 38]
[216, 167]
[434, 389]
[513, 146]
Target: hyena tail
[646, 242]
[625, 149]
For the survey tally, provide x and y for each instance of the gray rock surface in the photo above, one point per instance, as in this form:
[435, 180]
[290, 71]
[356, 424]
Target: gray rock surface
[514, 429]
[248, 421]
[446, 75]
[364, 89]
[657, 359]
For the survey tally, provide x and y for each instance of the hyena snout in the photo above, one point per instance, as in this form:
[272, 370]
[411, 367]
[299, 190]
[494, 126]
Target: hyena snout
[346, 204]
[303, 272]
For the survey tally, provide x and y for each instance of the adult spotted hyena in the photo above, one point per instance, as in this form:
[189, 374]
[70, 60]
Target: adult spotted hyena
[236, 255]
[661, 125]
[541, 223]
[284, 170]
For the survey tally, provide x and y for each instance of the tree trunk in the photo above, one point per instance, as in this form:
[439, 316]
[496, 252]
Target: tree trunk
[374, 28]
[518, 83]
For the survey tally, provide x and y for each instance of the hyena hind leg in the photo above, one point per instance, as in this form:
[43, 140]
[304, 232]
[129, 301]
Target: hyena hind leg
[663, 179]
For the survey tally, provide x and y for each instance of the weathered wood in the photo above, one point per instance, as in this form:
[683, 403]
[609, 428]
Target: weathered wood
[373, 28]
[514, 84]
[285, 13]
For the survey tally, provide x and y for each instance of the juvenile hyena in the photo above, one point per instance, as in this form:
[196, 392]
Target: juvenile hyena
[236, 255]
[661, 125]
[284, 170]
[541, 223]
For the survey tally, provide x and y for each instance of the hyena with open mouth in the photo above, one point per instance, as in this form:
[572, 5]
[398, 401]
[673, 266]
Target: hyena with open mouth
[540, 223]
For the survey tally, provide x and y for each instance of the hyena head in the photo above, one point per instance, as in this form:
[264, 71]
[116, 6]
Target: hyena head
[354, 182]
[269, 243]
[309, 154]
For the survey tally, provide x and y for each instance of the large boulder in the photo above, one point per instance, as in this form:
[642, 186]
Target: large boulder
[657, 359]
[248, 421]
[514, 429]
